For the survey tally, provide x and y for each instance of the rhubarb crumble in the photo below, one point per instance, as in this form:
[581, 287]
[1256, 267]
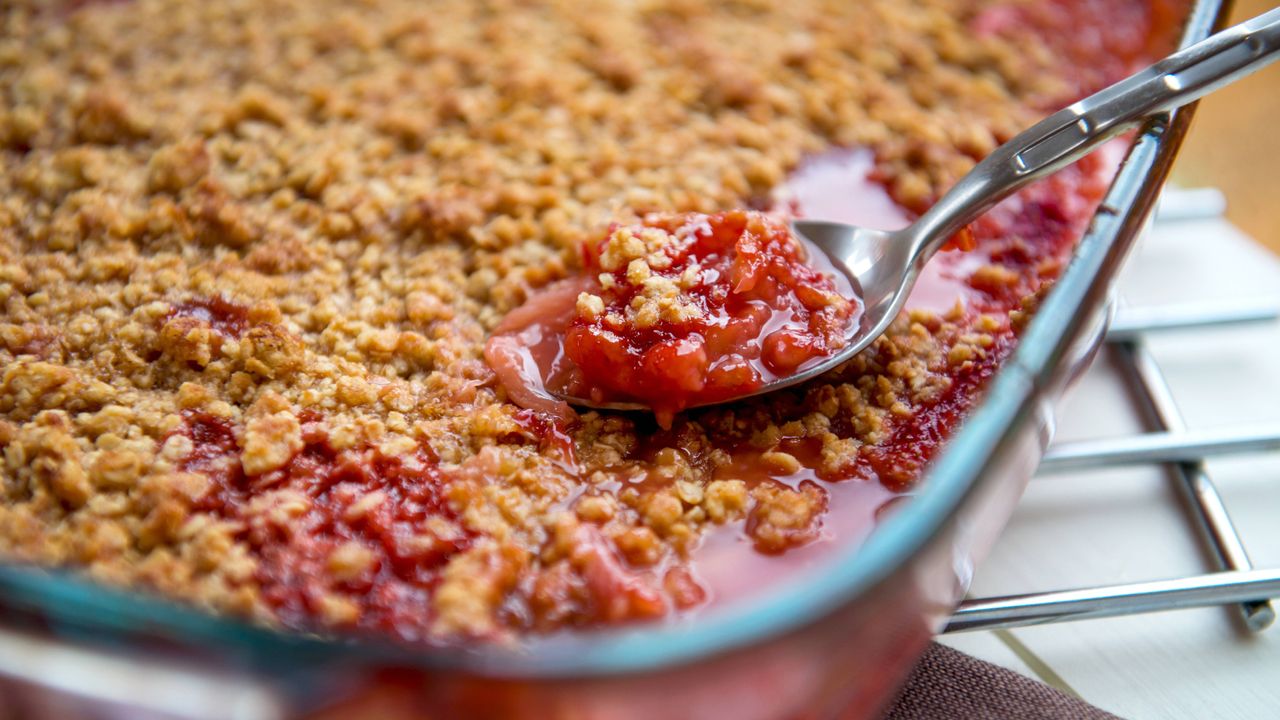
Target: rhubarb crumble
[251, 254]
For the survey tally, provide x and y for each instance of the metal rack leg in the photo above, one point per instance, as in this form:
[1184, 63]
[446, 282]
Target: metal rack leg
[1202, 496]
[1219, 588]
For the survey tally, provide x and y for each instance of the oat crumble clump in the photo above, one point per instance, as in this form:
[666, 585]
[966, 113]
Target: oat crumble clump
[250, 252]
[641, 252]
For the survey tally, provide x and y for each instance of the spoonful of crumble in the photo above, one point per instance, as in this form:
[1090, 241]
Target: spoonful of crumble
[676, 312]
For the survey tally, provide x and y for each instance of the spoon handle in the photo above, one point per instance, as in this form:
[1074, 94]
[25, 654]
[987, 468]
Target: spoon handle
[1077, 130]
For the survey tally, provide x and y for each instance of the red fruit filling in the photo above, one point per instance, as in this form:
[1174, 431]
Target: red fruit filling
[692, 309]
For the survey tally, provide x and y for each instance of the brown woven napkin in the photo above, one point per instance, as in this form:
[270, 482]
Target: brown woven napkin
[949, 684]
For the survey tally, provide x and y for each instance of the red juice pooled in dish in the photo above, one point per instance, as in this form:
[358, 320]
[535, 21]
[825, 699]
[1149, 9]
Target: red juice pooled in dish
[682, 310]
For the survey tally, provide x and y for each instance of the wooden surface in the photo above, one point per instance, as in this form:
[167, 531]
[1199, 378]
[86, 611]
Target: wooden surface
[1234, 146]
[1085, 529]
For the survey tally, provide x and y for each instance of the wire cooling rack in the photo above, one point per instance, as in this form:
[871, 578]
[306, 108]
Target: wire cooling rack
[1233, 582]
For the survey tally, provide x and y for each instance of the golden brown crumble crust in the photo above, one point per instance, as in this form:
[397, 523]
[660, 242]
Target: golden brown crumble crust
[367, 188]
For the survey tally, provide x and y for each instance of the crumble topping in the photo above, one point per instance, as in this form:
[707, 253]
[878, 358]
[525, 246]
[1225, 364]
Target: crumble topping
[250, 254]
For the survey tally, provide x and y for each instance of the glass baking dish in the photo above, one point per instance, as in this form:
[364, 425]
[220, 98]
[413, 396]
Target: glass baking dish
[833, 641]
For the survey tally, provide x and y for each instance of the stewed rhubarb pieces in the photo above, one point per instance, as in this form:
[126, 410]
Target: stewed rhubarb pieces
[689, 309]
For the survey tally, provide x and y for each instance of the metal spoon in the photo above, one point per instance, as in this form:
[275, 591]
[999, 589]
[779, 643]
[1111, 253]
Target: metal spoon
[884, 265]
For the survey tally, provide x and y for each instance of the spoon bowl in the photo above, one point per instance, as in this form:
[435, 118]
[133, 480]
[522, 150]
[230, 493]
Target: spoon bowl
[881, 265]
